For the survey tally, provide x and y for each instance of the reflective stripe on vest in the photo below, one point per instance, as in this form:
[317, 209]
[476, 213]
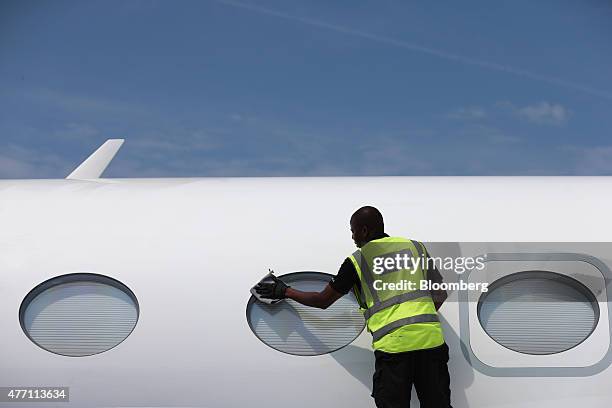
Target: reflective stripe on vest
[423, 318]
[366, 274]
[395, 300]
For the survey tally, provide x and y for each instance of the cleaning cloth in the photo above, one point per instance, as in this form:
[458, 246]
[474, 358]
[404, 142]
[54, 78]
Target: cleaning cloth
[267, 278]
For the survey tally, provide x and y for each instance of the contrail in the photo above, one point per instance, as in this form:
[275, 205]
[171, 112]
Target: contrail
[424, 50]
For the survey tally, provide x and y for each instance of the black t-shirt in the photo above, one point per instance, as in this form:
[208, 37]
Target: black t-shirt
[347, 275]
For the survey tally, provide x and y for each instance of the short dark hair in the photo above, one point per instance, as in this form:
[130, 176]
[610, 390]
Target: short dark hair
[370, 217]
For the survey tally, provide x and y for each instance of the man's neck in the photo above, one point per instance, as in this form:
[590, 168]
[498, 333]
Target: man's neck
[378, 236]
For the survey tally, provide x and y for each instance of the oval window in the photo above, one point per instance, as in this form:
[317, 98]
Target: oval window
[538, 312]
[79, 314]
[296, 329]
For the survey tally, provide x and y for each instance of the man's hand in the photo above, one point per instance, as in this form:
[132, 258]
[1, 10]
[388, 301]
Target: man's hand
[271, 288]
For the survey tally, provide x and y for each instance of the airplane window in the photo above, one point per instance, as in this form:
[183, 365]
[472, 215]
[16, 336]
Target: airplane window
[301, 330]
[538, 312]
[79, 314]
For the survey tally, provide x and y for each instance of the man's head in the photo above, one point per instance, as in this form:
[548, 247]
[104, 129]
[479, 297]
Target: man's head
[366, 222]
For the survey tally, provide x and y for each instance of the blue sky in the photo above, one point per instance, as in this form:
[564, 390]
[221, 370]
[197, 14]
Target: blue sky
[303, 88]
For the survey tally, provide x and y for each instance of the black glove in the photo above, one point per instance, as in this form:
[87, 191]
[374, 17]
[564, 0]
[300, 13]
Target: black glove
[271, 288]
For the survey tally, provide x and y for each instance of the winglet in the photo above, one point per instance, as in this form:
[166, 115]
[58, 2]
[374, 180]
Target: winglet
[94, 165]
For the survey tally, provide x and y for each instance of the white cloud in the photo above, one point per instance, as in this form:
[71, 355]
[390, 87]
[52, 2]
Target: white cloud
[164, 142]
[592, 161]
[487, 134]
[542, 113]
[390, 155]
[78, 131]
[18, 162]
[82, 103]
[12, 168]
[470, 112]
[545, 112]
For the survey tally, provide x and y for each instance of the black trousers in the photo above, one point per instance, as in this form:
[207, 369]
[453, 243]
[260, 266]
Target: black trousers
[396, 373]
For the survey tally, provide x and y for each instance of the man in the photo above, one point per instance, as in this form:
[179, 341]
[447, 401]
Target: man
[408, 341]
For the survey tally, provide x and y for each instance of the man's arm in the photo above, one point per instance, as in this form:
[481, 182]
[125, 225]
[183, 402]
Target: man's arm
[322, 299]
[434, 276]
[339, 286]
[438, 296]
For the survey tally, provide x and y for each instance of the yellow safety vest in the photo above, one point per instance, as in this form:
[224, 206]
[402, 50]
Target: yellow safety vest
[399, 319]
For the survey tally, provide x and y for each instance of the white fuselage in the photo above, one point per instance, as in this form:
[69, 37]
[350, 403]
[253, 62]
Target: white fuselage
[191, 248]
